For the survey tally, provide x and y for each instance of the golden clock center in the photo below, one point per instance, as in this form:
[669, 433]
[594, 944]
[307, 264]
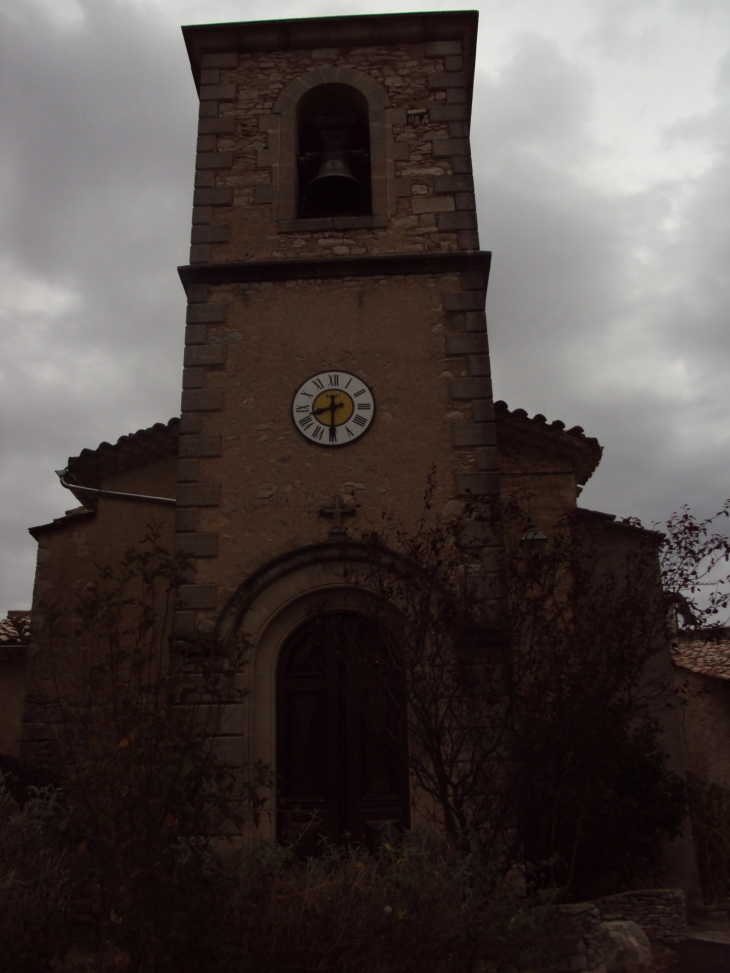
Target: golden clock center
[333, 408]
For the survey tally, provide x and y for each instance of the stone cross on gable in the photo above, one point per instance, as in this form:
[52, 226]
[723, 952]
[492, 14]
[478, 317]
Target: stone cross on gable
[337, 510]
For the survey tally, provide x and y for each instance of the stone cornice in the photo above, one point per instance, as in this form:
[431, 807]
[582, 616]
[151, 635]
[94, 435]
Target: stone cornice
[320, 268]
[322, 32]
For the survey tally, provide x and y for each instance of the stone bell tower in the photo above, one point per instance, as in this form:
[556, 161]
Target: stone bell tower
[336, 345]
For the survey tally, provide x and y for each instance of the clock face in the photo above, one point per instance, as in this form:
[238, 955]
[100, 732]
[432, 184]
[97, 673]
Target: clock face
[333, 408]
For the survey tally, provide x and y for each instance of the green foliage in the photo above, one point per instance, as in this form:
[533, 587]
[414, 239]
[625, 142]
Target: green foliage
[601, 826]
[415, 904]
[34, 882]
[693, 558]
[540, 753]
[138, 715]
[535, 735]
[591, 678]
[543, 746]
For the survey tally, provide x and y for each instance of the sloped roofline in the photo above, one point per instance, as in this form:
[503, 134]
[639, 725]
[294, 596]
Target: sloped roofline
[128, 453]
[160, 440]
[585, 451]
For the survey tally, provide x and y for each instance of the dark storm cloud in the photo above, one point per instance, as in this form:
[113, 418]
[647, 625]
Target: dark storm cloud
[98, 129]
[608, 307]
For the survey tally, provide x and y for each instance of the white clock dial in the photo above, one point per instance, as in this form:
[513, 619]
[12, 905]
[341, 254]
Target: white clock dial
[333, 408]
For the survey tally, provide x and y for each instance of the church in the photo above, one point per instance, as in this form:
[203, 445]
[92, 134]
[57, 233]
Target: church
[335, 352]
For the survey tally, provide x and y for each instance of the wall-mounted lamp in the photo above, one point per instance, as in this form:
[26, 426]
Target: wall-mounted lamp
[533, 541]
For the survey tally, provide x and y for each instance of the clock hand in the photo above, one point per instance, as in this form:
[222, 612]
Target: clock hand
[333, 430]
[332, 406]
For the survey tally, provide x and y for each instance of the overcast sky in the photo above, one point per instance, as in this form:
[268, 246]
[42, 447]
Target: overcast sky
[601, 141]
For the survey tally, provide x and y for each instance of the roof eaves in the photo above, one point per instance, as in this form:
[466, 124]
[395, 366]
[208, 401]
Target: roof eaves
[133, 450]
[705, 657]
[611, 521]
[574, 439]
[60, 521]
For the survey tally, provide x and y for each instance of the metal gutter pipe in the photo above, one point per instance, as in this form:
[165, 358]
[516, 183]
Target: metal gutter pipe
[114, 494]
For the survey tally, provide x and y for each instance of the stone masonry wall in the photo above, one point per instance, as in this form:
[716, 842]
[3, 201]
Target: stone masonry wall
[575, 931]
[661, 913]
[572, 938]
[423, 202]
[250, 487]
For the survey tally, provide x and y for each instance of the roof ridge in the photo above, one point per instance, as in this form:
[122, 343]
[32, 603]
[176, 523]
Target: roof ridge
[557, 425]
[130, 450]
[130, 437]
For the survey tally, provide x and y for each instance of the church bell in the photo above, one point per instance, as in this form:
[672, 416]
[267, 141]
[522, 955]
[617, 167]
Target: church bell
[335, 188]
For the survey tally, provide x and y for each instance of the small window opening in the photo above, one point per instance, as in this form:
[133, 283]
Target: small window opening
[333, 160]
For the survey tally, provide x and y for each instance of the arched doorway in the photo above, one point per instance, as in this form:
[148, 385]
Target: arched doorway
[341, 759]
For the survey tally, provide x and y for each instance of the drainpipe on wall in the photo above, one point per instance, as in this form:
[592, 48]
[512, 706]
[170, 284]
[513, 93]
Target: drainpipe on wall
[114, 494]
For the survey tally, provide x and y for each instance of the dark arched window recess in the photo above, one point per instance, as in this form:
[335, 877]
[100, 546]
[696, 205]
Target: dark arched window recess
[333, 158]
[341, 744]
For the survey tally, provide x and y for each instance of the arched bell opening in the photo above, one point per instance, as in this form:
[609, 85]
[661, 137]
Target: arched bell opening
[333, 153]
[341, 741]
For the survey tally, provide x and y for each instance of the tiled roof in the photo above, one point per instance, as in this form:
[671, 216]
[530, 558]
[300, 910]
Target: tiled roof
[15, 629]
[585, 451]
[147, 445]
[128, 452]
[709, 656]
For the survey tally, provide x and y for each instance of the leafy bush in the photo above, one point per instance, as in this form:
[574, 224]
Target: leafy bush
[415, 904]
[535, 733]
[34, 881]
[147, 795]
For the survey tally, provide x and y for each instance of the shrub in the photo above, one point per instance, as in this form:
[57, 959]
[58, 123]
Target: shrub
[147, 795]
[414, 904]
[34, 881]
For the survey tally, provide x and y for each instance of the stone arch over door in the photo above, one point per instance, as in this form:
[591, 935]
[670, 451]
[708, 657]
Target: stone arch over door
[282, 128]
[268, 610]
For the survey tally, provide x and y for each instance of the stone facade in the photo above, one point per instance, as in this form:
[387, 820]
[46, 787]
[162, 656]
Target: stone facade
[242, 463]
[703, 685]
[419, 95]
[552, 463]
[395, 296]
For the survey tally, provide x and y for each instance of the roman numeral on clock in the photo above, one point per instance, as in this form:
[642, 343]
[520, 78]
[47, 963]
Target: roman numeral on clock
[306, 422]
[318, 433]
[363, 406]
[360, 421]
[318, 383]
[334, 380]
[303, 408]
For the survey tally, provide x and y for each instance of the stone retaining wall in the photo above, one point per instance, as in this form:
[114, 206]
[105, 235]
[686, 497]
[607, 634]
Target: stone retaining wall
[574, 931]
[573, 939]
[661, 913]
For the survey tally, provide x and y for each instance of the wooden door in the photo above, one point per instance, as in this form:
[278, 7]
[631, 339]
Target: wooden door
[341, 765]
